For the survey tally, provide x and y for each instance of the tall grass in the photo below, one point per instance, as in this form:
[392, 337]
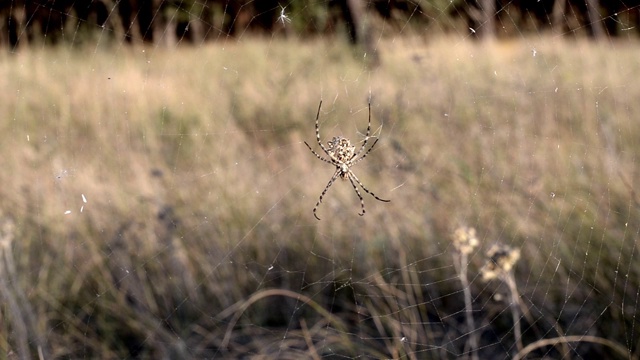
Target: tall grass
[197, 233]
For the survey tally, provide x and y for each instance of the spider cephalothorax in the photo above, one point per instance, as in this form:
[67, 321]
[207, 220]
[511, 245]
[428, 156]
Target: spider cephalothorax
[343, 156]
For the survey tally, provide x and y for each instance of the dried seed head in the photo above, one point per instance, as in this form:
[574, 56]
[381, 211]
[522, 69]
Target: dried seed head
[464, 239]
[502, 259]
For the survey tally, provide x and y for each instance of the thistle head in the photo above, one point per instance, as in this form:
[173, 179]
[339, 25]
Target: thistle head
[464, 240]
[501, 260]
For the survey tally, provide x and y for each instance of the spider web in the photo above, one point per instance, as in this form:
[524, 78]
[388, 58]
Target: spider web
[158, 194]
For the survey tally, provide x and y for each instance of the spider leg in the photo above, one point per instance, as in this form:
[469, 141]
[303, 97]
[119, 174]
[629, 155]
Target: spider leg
[317, 155]
[333, 159]
[333, 178]
[366, 137]
[365, 154]
[318, 130]
[351, 174]
[359, 195]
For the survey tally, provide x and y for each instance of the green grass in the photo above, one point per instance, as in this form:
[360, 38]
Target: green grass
[199, 190]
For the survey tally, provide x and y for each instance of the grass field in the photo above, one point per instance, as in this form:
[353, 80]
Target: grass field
[197, 237]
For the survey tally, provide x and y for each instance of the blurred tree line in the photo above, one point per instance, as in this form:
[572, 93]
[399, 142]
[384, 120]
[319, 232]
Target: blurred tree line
[173, 21]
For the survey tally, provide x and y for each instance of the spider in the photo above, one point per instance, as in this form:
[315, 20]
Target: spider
[343, 156]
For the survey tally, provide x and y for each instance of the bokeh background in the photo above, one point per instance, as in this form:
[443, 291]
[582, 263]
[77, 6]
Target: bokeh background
[157, 194]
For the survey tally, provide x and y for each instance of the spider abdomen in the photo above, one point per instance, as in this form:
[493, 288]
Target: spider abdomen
[341, 149]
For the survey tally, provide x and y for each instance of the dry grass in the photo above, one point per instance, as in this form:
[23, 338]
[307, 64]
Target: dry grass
[199, 194]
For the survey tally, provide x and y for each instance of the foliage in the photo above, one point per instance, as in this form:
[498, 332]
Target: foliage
[171, 22]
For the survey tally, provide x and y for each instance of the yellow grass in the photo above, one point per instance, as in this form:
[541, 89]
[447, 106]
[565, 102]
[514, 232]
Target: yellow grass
[199, 194]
